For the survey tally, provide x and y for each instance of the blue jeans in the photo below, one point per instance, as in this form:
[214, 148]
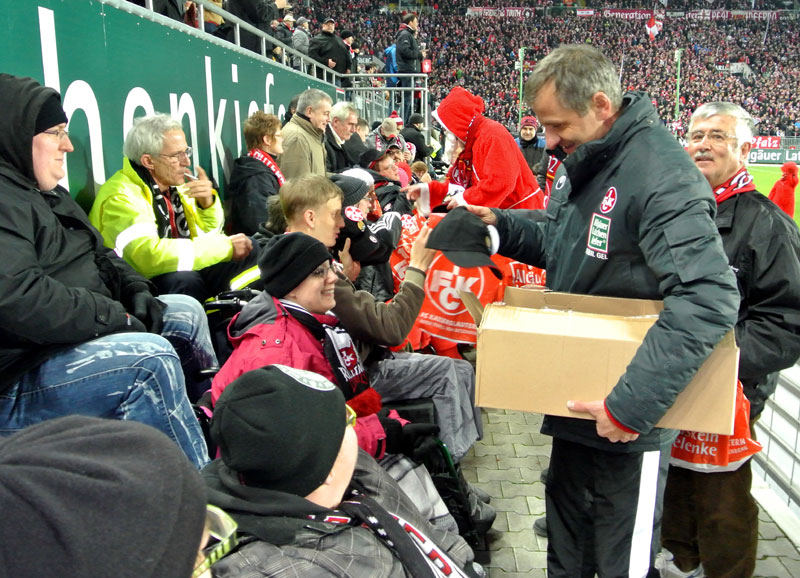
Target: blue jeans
[134, 376]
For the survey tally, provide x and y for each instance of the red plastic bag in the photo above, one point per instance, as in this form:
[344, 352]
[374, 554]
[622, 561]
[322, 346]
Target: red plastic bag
[705, 452]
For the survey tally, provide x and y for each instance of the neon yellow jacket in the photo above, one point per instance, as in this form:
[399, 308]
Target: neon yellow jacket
[123, 213]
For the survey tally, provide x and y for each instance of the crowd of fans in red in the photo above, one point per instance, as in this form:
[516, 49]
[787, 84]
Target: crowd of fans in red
[479, 53]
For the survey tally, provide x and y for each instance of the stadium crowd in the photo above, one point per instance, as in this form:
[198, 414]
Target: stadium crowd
[480, 54]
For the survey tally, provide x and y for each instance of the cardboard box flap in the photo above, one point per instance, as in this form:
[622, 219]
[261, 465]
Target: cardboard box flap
[540, 298]
[473, 305]
[576, 324]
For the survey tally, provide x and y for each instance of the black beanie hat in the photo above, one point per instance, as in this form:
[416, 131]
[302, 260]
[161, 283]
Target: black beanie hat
[286, 260]
[280, 428]
[94, 498]
[51, 114]
[353, 189]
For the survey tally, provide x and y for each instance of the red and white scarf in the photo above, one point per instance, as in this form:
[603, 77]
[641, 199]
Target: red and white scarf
[741, 182]
[260, 155]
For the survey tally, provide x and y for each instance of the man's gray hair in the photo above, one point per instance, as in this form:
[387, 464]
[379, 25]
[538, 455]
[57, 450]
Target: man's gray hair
[341, 110]
[745, 126]
[578, 71]
[312, 98]
[147, 135]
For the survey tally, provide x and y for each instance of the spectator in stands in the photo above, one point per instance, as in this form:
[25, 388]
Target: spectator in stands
[285, 30]
[92, 497]
[211, 20]
[783, 191]
[164, 220]
[409, 58]
[384, 171]
[347, 39]
[258, 13]
[288, 468]
[710, 517]
[413, 134]
[420, 172]
[292, 315]
[530, 141]
[328, 49]
[291, 109]
[386, 133]
[170, 8]
[301, 37]
[78, 326]
[255, 176]
[614, 456]
[344, 118]
[376, 325]
[304, 136]
[357, 143]
[487, 167]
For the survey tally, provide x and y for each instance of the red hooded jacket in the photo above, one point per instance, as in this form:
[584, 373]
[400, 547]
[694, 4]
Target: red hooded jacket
[491, 168]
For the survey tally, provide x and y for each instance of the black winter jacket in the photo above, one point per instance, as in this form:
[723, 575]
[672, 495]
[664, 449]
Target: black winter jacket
[252, 184]
[763, 248]
[337, 159]
[409, 56]
[631, 216]
[413, 135]
[59, 285]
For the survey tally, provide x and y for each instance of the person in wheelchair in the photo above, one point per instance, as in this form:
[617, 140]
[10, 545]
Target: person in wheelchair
[290, 323]
[307, 501]
[376, 325]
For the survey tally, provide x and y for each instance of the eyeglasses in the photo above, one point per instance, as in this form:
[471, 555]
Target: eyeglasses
[351, 416]
[715, 137]
[57, 132]
[322, 271]
[180, 155]
[222, 528]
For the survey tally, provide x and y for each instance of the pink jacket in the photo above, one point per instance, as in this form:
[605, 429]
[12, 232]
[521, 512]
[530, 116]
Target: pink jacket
[264, 333]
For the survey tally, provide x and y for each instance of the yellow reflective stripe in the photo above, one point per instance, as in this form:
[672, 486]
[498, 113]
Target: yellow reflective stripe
[244, 278]
[136, 231]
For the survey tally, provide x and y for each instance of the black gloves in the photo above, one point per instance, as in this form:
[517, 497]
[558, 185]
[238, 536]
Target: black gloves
[148, 310]
[404, 439]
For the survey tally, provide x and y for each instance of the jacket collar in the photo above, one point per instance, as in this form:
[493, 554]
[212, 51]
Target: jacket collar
[302, 121]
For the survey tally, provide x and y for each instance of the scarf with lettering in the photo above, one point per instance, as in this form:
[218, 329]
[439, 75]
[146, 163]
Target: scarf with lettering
[418, 554]
[265, 158]
[741, 182]
[461, 173]
[340, 351]
[167, 207]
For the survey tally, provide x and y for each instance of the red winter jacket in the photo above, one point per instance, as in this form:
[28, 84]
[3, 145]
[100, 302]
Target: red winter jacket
[491, 168]
[782, 193]
[264, 333]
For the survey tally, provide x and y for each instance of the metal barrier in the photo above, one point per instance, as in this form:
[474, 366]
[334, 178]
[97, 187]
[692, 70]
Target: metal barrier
[778, 430]
[309, 66]
[376, 101]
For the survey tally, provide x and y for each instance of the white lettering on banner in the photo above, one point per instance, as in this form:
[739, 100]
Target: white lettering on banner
[766, 142]
[80, 96]
[185, 107]
[237, 119]
[215, 128]
[758, 155]
[445, 284]
[793, 156]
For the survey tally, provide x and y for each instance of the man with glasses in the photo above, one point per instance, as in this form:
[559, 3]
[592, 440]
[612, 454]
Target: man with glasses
[629, 216]
[710, 517]
[165, 220]
[80, 330]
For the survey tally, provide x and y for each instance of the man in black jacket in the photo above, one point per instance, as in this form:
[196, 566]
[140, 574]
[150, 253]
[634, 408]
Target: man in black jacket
[612, 229]
[409, 58]
[259, 13]
[78, 326]
[413, 134]
[329, 50]
[710, 517]
[344, 117]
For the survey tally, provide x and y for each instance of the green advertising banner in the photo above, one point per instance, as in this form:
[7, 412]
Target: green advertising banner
[773, 156]
[113, 61]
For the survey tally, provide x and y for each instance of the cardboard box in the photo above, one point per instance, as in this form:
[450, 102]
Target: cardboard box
[540, 349]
